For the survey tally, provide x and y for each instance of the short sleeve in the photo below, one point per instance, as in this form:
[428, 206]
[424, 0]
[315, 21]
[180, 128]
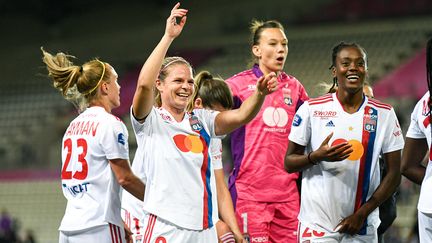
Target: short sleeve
[138, 127]
[301, 126]
[414, 130]
[114, 140]
[208, 117]
[216, 153]
[393, 138]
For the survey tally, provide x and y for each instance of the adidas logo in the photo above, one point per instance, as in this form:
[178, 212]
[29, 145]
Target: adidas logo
[330, 124]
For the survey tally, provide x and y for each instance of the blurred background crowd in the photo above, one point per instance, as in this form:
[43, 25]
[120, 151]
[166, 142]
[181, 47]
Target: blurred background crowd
[34, 115]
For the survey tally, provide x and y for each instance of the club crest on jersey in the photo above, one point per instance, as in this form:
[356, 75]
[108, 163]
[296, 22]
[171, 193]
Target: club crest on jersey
[297, 120]
[121, 139]
[195, 123]
[286, 92]
[370, 120]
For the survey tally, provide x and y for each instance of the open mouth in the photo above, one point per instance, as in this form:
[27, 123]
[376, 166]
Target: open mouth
[182, 95]
[353, 77]
[280, 59]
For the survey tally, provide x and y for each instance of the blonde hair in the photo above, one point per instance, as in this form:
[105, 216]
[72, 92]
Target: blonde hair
[212, 91]
[164, 71]
[78, 84]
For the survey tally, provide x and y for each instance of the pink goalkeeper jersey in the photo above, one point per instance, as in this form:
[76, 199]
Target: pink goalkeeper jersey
[258, 149]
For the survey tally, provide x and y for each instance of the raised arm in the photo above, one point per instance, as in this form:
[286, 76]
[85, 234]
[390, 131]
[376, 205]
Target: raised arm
[229, 120]
[144, 94]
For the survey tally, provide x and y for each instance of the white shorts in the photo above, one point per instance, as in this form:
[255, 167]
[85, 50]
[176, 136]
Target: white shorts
[135, 225]
[107, 233]
[158, 230]
[320, 235]
[425, 226]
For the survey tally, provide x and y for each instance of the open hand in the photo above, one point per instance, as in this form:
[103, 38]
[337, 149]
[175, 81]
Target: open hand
[267, 84]
[332, 153]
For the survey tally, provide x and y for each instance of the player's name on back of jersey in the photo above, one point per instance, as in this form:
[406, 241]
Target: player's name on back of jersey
[82, 128]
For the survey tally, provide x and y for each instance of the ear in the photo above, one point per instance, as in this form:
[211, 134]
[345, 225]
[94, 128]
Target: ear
[104, 88]
[333, 70]
[256, 50]
[198, 103]
[159, 85]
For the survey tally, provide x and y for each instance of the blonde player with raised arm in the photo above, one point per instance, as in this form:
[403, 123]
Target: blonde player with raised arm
[178, 204]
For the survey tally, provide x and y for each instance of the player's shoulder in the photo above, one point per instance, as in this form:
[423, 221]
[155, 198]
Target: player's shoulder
[378, 104]
[288, 78]
[246, 74]
[327, 98]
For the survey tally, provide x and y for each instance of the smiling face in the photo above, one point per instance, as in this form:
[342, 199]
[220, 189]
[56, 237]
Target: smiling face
[271, 50]
[350, 69]
[177, 88]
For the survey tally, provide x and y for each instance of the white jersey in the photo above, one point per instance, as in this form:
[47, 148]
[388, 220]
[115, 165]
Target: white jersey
[129, 202]
[180, 183]
[89, 184]
[332, 191]
[420, 128]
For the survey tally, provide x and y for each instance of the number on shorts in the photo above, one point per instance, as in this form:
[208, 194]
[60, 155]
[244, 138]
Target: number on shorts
[81, 174]
[307, 233]
[160, 239]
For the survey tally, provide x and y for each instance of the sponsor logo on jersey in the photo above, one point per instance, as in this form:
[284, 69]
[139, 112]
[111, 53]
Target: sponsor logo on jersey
[251, 87]
[166, 117]
[76, 189]
[324, 114]
[259, 239]
[121, 139]
[297, 120]
[330, 124]
[188, 143]
[356, 146]
[275, 118]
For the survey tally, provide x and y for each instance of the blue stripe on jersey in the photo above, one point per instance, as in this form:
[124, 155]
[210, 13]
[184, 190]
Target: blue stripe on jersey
[207, 159]
[373, 115]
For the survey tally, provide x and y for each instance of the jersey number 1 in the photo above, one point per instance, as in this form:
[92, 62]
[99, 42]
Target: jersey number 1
[79, 175]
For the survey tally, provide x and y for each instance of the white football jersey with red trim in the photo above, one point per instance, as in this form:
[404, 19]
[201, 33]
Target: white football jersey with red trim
[419, 128]
[332, 191]
[89, 185]
[180, 183]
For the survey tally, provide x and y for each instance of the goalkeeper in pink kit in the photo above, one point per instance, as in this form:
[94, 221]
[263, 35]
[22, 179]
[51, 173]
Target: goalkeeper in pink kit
[260, 187]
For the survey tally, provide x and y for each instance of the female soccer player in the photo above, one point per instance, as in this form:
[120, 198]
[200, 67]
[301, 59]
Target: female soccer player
[344, 134]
